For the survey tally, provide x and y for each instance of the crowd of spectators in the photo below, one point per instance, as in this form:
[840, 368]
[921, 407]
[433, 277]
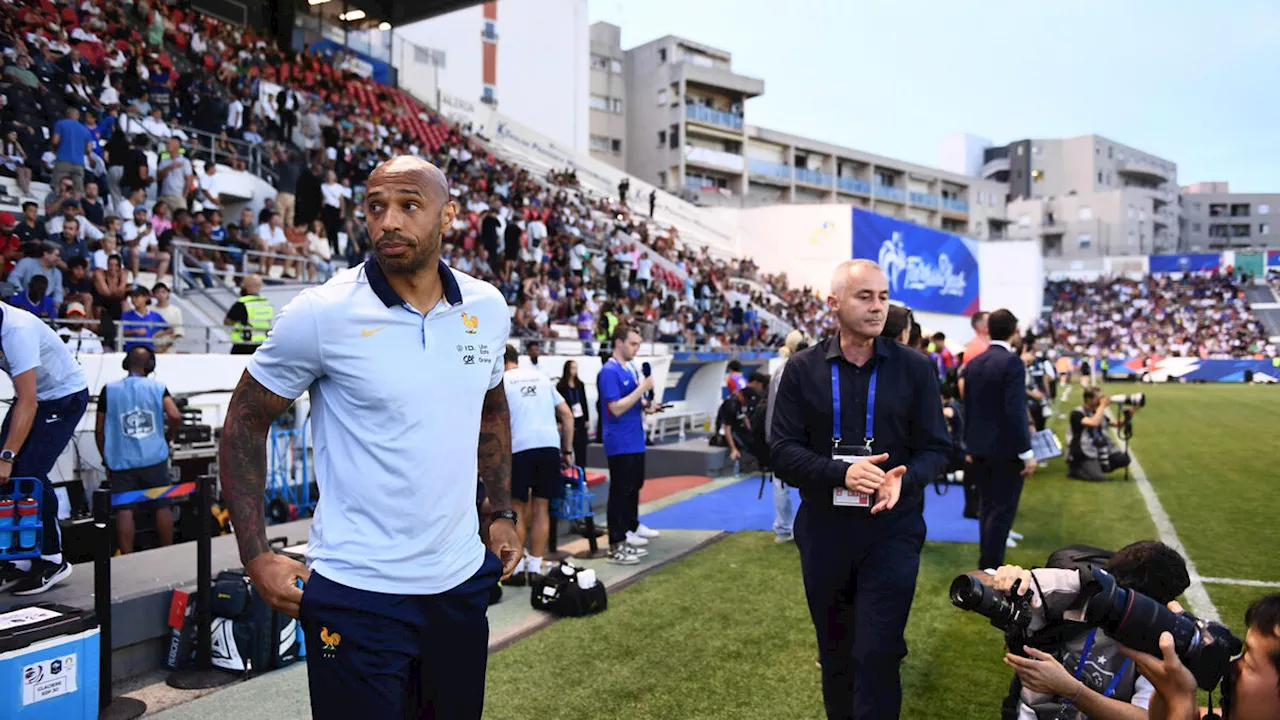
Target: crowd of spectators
[1201, 315]
[92, 89]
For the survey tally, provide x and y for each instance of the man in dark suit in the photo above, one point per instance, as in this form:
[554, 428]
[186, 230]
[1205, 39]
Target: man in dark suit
[997, 435]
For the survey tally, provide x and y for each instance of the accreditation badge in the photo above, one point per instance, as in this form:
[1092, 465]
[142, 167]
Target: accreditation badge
[844, 497]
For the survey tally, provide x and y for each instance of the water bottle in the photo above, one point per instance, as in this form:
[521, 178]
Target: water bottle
[27, 508]
[6, 521]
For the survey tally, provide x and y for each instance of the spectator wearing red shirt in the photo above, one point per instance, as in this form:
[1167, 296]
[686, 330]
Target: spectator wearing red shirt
[10, 243]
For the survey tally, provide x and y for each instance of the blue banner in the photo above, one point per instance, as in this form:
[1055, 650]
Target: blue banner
[365, 66]
[1203, 262]
[1273, 258]
[929, 270]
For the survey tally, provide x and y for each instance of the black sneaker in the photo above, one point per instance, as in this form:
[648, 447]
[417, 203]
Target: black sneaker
[518, 579]
[9, 575]
[43, 576]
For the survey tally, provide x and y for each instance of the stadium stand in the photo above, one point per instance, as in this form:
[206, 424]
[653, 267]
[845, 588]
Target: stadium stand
[1204, 315]
[566, 254]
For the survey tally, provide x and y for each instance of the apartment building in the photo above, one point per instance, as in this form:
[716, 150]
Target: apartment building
[1088, 196]
[686, 131]
[1214, 218]
[607, 118]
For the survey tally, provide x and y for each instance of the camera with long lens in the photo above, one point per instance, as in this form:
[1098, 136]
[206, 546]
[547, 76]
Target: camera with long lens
[1134, 399]
[1010, 614]
[1128, 616]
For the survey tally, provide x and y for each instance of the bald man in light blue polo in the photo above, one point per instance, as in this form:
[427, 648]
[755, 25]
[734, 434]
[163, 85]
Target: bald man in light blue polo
[403, 358]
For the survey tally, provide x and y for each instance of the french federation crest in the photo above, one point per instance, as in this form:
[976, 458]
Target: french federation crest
[138, 423]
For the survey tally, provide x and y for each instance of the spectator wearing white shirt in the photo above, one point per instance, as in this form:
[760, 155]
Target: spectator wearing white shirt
[335, 198]
[172, 315]
[110, 94]
[155, 126]
[142, 244]
[80, 339]
[644, 272]
[208, 184]
[235, 117]
[537, 232]
[270, 238]
[319, 250]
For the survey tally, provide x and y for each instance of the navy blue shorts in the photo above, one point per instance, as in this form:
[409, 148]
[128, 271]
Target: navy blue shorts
[536, 470]
[398, 656]
[54, 425]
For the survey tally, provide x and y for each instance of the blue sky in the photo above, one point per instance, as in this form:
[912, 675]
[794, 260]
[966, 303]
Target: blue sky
[1194, 82]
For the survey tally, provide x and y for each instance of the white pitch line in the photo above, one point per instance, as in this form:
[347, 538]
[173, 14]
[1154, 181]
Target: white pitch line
[1197, 596]
[1238, 581]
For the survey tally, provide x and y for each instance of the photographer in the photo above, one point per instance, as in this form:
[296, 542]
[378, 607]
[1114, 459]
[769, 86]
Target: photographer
[1091, 452]
[1073, 671]
[1255, 691]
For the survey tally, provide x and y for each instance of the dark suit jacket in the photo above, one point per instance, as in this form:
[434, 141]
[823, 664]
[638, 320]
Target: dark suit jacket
[995, 405]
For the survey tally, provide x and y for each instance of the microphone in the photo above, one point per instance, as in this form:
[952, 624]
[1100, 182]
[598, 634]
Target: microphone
[647, 372]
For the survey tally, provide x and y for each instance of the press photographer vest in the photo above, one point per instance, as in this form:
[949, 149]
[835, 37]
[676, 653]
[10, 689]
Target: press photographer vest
[134, 426]
[259, 311]
[1104, 668]
[1086, 444]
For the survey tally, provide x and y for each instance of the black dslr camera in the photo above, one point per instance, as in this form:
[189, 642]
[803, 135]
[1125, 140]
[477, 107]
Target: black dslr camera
[1128, 616]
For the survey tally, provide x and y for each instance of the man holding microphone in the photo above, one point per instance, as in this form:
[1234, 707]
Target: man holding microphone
[858, 428]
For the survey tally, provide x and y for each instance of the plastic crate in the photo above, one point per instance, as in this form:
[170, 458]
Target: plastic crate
[575, 502]
[10, 528]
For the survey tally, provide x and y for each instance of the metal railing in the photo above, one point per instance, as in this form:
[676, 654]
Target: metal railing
[851, 184]
[213, 336]
[185, 263]
[205, 145]
[701, 113]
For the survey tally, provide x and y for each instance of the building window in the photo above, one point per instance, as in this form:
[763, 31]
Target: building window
[1131, 237]
[1264, 228]
[599, 62]
[1085, 213]
[1110, 152]
[1035, 149]
[663, 96]
[1195, 207]
[1108, 177]
[599, 102]
[1099, 177]
[490, 31]
[617, 106]
[1086, 241]
[662, 55]
[662, 138]
[673, 137]
[1024, 221]
[599, 143]
[1195, 227]
[1142, 216]
[662, 178]
[617, 146]
[981, 197]
[1131, 211]
[1263, 208]
[489, 95]
[615, 66]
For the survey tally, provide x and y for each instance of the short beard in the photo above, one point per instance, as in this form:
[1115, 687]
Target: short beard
[413, 261]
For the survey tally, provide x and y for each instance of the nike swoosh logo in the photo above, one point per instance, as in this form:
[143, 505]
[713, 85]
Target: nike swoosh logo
[368, 333]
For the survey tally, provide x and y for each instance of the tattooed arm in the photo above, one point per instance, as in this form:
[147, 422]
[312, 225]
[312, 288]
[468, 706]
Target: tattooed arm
[242, 463]
[494, 450]
[494, 462]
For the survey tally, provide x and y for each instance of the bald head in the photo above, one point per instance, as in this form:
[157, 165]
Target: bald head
[408, 208]
[138, 358]
[406, 173]
[251, 284]
[851, 269]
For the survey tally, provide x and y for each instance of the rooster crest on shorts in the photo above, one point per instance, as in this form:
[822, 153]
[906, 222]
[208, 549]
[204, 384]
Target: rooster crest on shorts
[331, 641]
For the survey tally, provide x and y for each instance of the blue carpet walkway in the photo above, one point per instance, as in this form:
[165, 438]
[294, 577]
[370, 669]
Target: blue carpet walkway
[735, 508]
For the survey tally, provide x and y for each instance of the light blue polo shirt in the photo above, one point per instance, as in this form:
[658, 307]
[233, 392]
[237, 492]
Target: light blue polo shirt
[27, 343]
[395, 415]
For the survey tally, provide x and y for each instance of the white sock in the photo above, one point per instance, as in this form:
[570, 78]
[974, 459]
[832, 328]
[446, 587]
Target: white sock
[55, 559]
[23, 565]
[520, 566]
[534, 564]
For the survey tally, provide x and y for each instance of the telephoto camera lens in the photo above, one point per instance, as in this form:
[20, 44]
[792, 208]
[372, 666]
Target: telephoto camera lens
[1135, 620]
[1135, 399]
[968, 593]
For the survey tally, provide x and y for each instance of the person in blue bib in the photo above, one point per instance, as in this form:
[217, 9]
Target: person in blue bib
[132, 416]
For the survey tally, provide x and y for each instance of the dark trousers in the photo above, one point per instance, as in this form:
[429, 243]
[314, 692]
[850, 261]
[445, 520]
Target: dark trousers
[626, 477]
[580, 442]
[859, 578]
[54, 425]
[398, 656]
[971, 492]
[999, 482]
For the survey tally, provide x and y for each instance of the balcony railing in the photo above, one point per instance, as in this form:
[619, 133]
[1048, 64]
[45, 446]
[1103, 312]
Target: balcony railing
[959, 206]
[813, 177]
[924, 199]
[891, 193]
[853, 185]
[764, 167]
[703, 114]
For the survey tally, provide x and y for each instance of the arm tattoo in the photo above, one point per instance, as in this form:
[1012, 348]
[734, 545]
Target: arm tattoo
[494, 449]
[242, 461]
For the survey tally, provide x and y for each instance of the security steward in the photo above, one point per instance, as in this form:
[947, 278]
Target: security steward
[858, 428]
[251, 317]
[132, 416]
